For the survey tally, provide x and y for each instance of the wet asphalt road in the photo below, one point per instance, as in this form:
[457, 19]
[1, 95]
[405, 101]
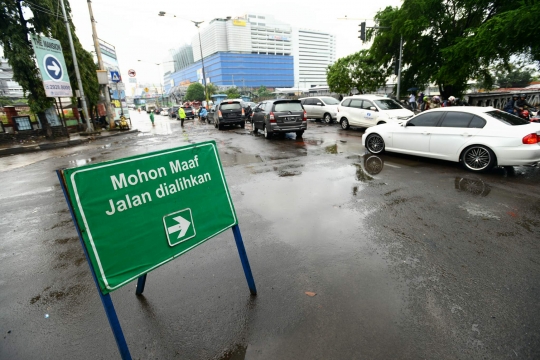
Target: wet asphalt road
[409, 258]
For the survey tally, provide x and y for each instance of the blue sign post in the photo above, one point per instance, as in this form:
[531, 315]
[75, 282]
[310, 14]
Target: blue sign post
[115, 76]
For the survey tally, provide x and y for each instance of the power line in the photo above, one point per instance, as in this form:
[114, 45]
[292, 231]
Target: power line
[39, 8]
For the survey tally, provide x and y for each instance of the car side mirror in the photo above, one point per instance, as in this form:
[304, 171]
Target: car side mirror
[372, 108]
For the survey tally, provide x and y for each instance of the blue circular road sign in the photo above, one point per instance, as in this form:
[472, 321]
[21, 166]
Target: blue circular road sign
[53, 67]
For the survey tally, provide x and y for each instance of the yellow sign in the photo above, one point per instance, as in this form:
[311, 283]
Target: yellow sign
[239, 22]
[145, 89]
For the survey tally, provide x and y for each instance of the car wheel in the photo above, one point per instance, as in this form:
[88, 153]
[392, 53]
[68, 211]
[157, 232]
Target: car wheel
[255, 130]
[220, 126]
[327, 118]
[478, 158]
[375, 144]
[299, 133]
[345, 124]
[243, 125]
[267, 135]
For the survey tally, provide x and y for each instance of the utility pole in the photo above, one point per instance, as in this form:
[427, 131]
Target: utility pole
[399, 67]
[104, 88]
[197, 23]
[90, 127]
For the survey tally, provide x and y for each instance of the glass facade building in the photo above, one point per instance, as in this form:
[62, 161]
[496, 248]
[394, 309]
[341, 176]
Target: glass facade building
[240, 70]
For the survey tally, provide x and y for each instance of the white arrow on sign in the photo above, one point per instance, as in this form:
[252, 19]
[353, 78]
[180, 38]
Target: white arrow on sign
[182, 226]
[54, 67]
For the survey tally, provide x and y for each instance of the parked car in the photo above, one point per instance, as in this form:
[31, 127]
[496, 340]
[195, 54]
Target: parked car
[190, 113]
[478, 137]
[370, 110]
[164, 112]
[323, 107]
[279, 116]
[228, 112]
[173, 112]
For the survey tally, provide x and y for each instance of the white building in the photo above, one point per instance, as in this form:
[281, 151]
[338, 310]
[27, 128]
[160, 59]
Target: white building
[313, 51]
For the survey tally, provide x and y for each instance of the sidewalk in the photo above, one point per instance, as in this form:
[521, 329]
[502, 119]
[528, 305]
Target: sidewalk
[45, 144]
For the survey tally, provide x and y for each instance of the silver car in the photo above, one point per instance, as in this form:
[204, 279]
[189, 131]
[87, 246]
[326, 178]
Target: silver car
[322, 107]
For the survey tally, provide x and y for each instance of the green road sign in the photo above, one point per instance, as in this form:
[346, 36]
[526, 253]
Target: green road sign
[52, 66]
[138, 213]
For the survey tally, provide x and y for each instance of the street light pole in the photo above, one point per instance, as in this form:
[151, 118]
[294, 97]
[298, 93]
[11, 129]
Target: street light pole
[90, 127]
[399, 67]
[104, 88]
[197, 23]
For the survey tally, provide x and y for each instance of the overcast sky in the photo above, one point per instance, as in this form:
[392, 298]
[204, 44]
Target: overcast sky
[139, 33]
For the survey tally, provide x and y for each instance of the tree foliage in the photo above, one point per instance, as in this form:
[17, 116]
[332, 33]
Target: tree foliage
[514, 78]
[449, 42]
[262, 91]
[45, 20]
[212, 89]
[357, 71]
[195, 92]
[232, 93]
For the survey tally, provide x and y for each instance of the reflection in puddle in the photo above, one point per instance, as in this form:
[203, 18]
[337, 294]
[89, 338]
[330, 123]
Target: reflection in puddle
[371, 165]
[81, 162]
[475, 187]
[331, 149]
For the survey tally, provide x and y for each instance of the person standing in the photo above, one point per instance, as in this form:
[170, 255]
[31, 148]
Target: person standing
[152, 117]
[181, 115]
[412, 101]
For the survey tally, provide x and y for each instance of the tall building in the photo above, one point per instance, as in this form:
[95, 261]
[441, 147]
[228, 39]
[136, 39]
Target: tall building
[254, 50]
[313, 51]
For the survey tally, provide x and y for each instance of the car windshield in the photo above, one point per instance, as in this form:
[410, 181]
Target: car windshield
[388, 104]
[330, 101]
[507, 118]
[288, 106]
[231, 106]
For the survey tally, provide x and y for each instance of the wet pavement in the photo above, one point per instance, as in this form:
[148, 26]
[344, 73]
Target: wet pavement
[407, 257]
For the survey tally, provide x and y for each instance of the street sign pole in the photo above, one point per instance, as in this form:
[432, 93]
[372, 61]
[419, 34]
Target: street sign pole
[105, 299]
[90, 127]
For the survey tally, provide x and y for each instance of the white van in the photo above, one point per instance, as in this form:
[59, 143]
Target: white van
[370, 110]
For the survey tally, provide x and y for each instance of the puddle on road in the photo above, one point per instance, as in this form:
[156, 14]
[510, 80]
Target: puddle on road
[239, 159]
[475, 187]
[81, 162]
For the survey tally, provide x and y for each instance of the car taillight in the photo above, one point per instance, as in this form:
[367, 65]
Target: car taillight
[305, 116]
[219, 113]
[243, 112]
[530, 139]
[272, 118]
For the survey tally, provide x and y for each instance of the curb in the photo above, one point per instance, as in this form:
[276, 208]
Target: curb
[57, 145]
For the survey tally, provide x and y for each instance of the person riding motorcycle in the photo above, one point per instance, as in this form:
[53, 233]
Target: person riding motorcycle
[435, 102]
[203, 114]
[450, 102]
[519, 105]
[509, 107]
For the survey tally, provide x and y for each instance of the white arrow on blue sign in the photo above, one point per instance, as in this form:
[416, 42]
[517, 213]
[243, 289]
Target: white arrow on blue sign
[115, 76]
[53, 67]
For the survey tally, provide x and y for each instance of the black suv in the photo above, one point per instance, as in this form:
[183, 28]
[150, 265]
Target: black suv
[279, 116]
[229, 112]
[173, 112]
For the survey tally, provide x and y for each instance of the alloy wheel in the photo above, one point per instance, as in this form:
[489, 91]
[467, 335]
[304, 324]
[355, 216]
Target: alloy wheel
[477, 158]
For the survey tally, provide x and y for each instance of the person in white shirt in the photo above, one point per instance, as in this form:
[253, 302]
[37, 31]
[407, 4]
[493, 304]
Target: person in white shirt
[412, 101]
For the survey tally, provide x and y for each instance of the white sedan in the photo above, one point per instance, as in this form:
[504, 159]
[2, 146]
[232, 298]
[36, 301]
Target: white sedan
[479, 137]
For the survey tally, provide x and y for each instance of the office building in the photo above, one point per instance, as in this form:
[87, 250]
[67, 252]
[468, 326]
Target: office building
[313, 51]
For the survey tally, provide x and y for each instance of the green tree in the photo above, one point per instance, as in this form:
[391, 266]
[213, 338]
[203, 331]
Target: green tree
[262, 91]
[232, 93]
[514, 78]
[194, 92]
[212, 89]
[357, 71]
[450, 42]
[15, 30]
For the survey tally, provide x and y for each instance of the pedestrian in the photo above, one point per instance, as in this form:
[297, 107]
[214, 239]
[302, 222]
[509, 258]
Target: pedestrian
[340, 97]
[182, 116]
[435, 102]
[412, 101]
[421, 101]
[152, 117]
[426, 103]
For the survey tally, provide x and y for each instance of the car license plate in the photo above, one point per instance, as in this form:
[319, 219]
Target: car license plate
[290, 119]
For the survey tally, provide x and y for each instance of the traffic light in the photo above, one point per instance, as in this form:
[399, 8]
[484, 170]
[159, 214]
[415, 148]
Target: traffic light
[362, 31]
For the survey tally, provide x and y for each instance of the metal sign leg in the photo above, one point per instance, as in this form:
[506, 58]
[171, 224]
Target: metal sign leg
[141, 281]
[244, 259]
[105, 299]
